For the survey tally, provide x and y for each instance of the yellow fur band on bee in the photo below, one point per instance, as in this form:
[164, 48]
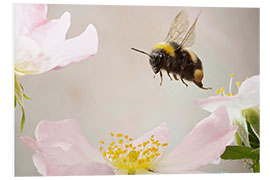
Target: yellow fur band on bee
[167, 48]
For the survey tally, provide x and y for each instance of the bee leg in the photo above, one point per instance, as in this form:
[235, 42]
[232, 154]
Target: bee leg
[169, 75]
[200, 85]
[183, 81]
[175, 77]
[154, 76]
[161, 78]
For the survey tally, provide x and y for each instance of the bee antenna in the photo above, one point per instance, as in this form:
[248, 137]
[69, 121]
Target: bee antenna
[141, 51]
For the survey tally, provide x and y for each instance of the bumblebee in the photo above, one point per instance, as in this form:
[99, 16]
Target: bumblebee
[173, 55]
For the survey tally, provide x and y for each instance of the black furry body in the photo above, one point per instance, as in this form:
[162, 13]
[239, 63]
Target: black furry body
[184, 63]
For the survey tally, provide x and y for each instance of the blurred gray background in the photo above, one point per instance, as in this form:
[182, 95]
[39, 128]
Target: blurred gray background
[115, 90]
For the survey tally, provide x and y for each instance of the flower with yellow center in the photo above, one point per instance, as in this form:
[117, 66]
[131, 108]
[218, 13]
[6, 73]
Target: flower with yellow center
[131, 157]
[248, 96]
[61, 149]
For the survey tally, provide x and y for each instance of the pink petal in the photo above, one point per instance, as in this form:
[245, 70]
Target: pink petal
[63, 134]
[249, 92]
[161, 133]
[211, 103]
[59, 146]
[248, 96]
[93, 168]
[33, 31]
[51, 35]
[203, 145]
[28, 16]
[30, 142]
[78, 48]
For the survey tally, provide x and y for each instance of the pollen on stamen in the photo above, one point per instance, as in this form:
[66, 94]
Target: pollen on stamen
[119, 135]
[222, 90]
[238, 84]
[230, 93]
[123, 154]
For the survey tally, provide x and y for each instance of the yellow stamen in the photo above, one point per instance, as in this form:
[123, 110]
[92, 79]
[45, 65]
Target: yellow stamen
[112, 134]
[230, 93]
[222, 90]
[119, 135]
[125, 155]
[238, 83]
[164, 144]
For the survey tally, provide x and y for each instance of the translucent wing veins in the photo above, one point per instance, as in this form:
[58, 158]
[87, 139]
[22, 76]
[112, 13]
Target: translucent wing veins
[178, 28]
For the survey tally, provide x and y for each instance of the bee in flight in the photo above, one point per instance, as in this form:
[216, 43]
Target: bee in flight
[173, 55]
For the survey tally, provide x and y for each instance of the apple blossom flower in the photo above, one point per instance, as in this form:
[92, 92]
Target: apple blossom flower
[248, 96]
[40, 43]
[61, 149]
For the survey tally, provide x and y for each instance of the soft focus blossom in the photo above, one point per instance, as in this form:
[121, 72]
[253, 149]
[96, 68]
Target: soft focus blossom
[248, 96]
[61, 149]
[40, 43]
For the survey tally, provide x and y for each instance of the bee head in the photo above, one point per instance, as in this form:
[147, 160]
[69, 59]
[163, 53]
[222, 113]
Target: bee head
[156, 60]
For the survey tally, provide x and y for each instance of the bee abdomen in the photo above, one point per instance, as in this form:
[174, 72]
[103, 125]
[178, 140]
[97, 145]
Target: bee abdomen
[198, 75]
[192, 55]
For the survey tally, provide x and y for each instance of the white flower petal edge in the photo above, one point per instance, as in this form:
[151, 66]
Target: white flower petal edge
[248, 96]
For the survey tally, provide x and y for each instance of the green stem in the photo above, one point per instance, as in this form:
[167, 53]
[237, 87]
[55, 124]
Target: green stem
[131, 172]
[256, 166]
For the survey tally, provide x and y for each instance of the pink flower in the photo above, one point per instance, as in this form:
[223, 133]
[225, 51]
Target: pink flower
[61, 149]
[40, 43]
[248, 96]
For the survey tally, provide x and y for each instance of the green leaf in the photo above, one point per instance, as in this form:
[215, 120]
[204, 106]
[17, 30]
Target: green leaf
[19, 98]
[18, 91]
[253, 117]
[26, 97]
[22, 120]
[239, 152]
[253, 139]
[256, 151]
[15, 101]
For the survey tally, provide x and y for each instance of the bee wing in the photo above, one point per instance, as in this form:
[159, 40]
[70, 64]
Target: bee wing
[178, 28]
[189, 38]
